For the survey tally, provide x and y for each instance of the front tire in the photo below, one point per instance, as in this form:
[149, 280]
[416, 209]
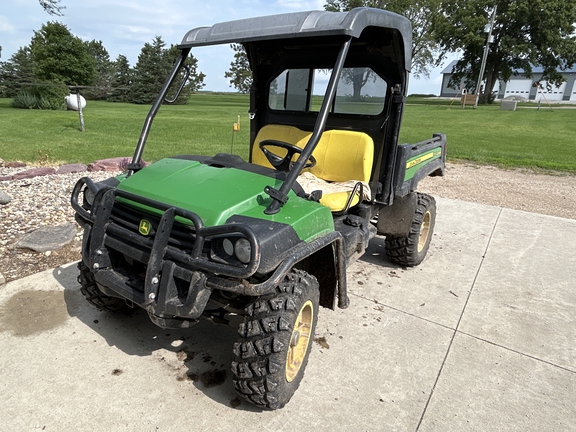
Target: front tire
[411, 250]
[276, 338]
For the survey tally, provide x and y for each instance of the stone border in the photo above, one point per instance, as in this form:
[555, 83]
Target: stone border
[110, 164]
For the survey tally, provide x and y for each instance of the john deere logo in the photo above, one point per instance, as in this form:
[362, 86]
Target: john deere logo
[145, 227]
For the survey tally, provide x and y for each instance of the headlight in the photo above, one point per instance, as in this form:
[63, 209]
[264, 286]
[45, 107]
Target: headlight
[243, 250]
[232, 250]
[228, 247]
[88, 196]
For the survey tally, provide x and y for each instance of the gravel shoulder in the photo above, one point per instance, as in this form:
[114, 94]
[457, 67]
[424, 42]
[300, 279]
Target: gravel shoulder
[552, 194]
[45, 201]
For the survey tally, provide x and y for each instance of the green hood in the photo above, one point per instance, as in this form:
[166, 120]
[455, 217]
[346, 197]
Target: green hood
[215, 194]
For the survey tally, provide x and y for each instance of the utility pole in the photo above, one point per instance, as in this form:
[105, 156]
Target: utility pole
[485, 56]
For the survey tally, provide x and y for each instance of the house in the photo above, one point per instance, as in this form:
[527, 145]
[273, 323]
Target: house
[520, 86]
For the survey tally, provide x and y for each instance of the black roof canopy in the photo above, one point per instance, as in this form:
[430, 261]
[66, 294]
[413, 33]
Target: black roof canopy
[303, 25]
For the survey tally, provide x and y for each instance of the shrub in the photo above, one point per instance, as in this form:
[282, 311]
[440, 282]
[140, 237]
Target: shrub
[24, 99]
[487, 99]
[46, 96]
[422, 95]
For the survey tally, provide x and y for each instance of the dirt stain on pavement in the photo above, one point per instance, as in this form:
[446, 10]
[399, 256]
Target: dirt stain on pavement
[30, 312]
[213, 378]
[322, 342]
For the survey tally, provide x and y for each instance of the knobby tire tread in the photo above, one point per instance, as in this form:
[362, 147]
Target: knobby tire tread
[93, 294]
[260, 354]
[404, 250]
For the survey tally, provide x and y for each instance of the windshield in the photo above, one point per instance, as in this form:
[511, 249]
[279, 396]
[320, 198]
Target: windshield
[360, 90]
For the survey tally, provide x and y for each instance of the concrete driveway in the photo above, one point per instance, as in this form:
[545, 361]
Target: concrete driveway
[479, 337]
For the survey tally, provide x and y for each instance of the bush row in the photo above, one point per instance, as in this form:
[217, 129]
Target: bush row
[45, 97]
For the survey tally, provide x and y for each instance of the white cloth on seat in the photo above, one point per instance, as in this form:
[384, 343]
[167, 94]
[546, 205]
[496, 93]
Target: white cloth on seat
[311, 183]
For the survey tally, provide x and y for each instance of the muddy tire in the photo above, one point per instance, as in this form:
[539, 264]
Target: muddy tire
[96, 297]
[411, 250]
[276, 337]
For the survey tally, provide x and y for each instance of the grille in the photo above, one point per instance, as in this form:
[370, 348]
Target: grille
[182, 236]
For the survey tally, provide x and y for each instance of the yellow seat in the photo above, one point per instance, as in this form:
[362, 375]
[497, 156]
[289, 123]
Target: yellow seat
[289, 134]
[336, 201]
[341, 156]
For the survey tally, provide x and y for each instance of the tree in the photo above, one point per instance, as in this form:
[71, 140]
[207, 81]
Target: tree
[121, 80]
[421, 14]
[424, 46]
[358, 77]
[527, 33]
[149, 73]
[103, 72]
[239, 73]
[154, 64]
[195, 81]
[60, 56]
[15, 72]
[52, 7]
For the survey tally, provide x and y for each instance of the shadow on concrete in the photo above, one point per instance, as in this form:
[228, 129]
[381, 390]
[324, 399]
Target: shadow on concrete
[201, 354]
[376, 254]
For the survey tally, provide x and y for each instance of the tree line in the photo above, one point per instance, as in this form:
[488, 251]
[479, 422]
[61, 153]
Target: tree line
[38, 75]
[526, 34]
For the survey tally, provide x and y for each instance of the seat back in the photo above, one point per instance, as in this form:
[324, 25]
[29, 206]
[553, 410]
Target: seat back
[289, 134]
[340, 155]
[343, 155]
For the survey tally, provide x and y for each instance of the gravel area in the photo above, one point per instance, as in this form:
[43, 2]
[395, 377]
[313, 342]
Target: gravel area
[37, 202]
[547, 193]
[44, 201]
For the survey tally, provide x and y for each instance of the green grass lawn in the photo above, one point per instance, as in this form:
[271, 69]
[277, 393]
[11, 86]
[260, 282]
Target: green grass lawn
[204, 126]
[527, 138]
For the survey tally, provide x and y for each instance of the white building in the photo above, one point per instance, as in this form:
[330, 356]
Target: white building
[521, 86]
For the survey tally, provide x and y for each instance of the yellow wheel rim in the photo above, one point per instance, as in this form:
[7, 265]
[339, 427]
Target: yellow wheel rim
[299, 340]
[424, 231]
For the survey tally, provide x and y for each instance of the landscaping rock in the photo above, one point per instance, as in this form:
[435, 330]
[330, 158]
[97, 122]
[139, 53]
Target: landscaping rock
[71, 168]
[34, 172]
[1, 162]
[48, 238]
[4, 198]
[14, 164]
[111, 164]
[6, 178]
[2, 279]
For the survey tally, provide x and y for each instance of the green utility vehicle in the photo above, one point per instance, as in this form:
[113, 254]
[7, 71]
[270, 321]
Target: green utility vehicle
[270, 239]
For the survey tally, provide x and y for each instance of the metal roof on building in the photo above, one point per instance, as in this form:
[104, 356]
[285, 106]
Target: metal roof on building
[536, 69]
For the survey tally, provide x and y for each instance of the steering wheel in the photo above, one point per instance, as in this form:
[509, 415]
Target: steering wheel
[283, 163]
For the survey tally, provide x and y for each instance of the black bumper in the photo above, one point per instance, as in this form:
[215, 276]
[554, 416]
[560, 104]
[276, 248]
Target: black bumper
[177, 271]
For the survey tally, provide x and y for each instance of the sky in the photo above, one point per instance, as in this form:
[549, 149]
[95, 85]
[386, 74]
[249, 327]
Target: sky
[124, 26]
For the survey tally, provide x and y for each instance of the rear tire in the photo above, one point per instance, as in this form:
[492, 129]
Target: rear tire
[411, 250]
[96, 297]
[276, 337]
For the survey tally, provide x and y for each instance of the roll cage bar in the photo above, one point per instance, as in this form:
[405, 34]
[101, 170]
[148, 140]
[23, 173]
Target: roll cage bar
[296, 26]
